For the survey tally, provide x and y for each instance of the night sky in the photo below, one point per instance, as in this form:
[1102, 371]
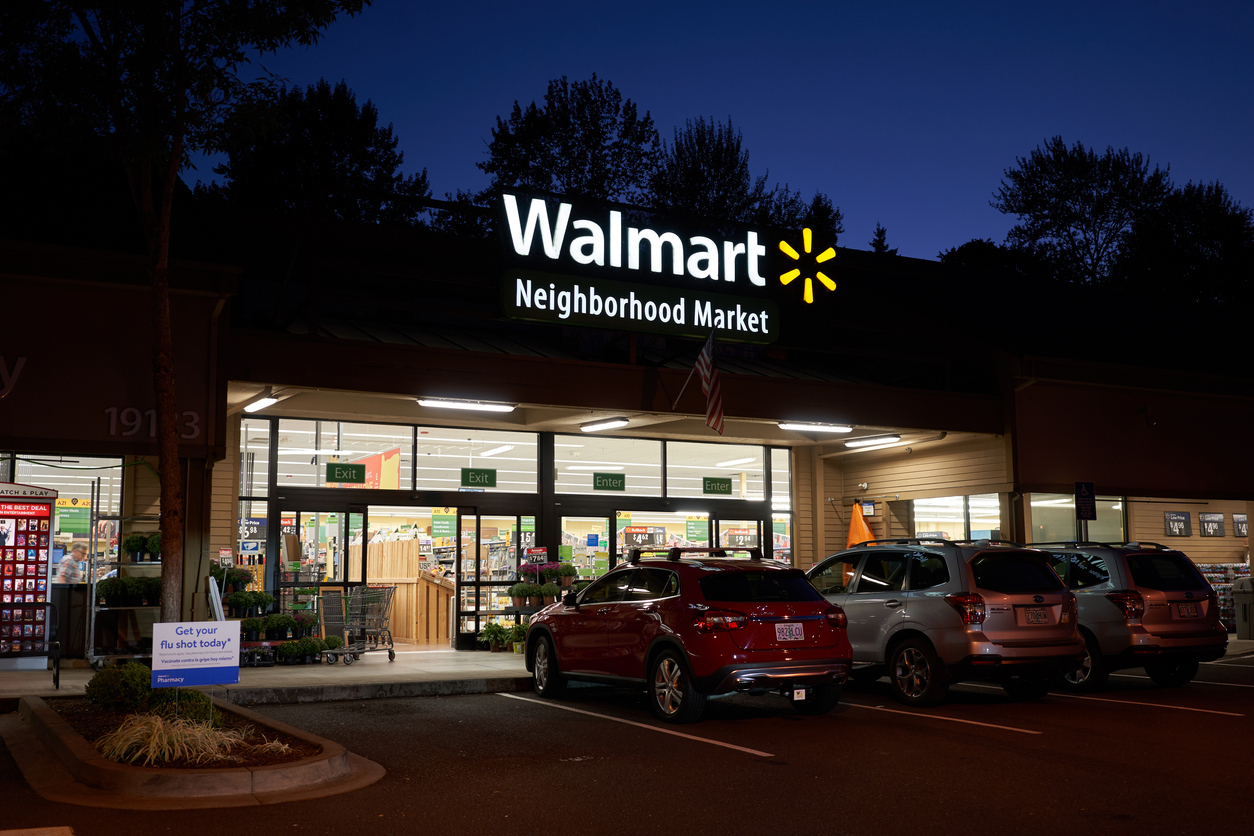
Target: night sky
[903, 113]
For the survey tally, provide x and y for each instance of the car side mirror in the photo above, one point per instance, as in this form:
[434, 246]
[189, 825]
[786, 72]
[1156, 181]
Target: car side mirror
[571, 599]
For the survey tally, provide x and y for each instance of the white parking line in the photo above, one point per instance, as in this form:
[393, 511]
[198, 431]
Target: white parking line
[1122, 702]
[1236, 660]
[639, 725]
[1191, 682]
[940, 717]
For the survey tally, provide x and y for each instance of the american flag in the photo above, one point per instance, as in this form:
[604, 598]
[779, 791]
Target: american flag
[710, 386]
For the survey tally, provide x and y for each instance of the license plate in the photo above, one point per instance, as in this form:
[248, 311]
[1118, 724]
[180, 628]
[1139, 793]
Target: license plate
[1188, 610]
[789, 632]
[1035, 615]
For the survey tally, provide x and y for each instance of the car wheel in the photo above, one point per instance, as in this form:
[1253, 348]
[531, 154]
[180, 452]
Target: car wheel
[1026, 689]
[1172, 673]
[1091, 673]
[671, 695]
[916, 675]
[819, 700]
[546, 676]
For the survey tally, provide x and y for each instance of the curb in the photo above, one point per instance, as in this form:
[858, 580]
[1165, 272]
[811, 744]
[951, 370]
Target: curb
[62, 766]
[370, 691]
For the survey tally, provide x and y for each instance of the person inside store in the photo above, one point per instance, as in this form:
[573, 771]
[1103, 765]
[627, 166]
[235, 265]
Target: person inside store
[69, 570]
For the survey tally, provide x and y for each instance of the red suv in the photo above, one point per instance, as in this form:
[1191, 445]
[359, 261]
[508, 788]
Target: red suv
[691, 623]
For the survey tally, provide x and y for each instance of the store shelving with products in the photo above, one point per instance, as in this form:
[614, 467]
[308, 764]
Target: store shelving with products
[1221, 577]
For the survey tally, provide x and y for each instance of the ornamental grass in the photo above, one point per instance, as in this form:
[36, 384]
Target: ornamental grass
[150, 738]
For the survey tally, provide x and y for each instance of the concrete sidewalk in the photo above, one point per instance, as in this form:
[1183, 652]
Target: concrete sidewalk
[419, 671]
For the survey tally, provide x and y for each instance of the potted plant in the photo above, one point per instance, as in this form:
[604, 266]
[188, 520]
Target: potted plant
[238, 578]
[264, 600]
[279, 626]
[518, 594]
[240, 603]
[288, 652]
[333, 642]
[320, 649]
[550, 591]
[134, 545]
[518, 637]
[551, 571]
[531, 594]
[579, 585]
[251, 628]
[151, 590]
[529, 572]
[110, 591]
[305, 622]
[567, 573]
[134, 590]
[153, 544]
[493, 635]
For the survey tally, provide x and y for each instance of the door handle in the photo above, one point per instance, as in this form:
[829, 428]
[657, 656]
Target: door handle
[892, 602]
[604, 610]
[649, 608]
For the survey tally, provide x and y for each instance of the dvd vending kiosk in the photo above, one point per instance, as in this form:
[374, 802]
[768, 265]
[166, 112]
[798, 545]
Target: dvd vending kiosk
[26, 524]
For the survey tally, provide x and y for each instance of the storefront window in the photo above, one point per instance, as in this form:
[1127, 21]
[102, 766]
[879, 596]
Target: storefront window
[606, 466]
[726, 471]
[73, 477]
[382, 452]
[940, 517]
[781, 479]
[254, 456]
[586, 544]
[1108, 527]
[741, 533]
[781, 537]
[984, 510]
[477, 460]
[659, 529]
[1053, 519]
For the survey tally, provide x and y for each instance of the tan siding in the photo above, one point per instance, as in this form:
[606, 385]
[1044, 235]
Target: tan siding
[803, 496]
[143, 495]
[1146, 522]
[975, 466]
[224, 502]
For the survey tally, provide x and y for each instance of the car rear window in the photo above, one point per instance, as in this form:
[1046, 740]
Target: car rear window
[748, 587]
[1081, 570]
[1014, 572]
[1167, 572]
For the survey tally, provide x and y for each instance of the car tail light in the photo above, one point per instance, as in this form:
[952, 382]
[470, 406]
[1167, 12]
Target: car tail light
[1070, 610]
[970, 606]
[712, 621]
[836, 617]
[1212, 608]
[1128, 600]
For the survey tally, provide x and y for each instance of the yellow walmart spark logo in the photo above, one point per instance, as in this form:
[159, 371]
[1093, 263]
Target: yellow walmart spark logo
[826, 255]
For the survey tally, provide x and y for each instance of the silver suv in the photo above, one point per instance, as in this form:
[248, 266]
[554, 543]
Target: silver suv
[1141, 605]
[932, 612]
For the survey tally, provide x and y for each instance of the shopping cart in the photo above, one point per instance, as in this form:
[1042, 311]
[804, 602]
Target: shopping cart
[362, 621]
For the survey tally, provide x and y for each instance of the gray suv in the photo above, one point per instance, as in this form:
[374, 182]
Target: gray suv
[1141, 605]
[932, 612]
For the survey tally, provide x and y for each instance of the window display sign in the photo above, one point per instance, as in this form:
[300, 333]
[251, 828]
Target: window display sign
[697, 530]
[191, 653]
[644, 535]
[25, 569]
[537, 554]
[444, 522]
[1179, 523]
[609, 481]
[1085, 501]
[716, 486]
[745, 537]
[1211, 525]
[1240, 525]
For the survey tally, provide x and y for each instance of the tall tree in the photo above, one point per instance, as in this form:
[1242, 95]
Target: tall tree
[584, 141]
[1075, 206]
[879, 243]
[159, 80]
[318, 153]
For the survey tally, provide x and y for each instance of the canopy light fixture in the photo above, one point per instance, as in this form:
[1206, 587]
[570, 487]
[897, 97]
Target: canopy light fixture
[603, 424]
[477, 406]
[504, 448]
[261, 404]
[872, 441]
[603, 468]
[736, 461]
[814, 428]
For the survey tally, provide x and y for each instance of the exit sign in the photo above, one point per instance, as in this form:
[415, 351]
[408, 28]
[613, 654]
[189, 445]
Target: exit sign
[717, 486]
[478, 477]
[609, 481]
[349, 474]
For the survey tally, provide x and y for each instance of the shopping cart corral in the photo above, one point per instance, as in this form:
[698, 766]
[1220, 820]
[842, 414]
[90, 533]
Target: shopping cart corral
[361, 619]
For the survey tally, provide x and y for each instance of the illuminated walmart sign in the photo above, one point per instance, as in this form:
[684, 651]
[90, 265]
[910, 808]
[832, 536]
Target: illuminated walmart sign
[611, 272]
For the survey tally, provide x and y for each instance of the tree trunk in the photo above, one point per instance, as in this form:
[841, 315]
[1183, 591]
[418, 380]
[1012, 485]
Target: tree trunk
[168, 467]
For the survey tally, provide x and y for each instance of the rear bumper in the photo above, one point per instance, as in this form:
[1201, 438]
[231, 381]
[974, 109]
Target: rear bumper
[1137, 645]
[1136, 656]
[996, 666]
[774, 676]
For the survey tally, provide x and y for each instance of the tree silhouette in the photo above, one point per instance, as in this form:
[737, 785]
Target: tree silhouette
[879, 244]
[318, 153]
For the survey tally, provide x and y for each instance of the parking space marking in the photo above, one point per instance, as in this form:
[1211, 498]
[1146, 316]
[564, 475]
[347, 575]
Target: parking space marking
[639, 725]
[1192, 681]
[1123, 702]
[940, 717]
[1239, 661]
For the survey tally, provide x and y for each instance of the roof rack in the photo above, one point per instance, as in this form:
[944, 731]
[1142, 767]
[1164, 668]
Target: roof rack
[905, 541]
[676, 552]
[1145, 546]
[984, 542]
[1074, 544]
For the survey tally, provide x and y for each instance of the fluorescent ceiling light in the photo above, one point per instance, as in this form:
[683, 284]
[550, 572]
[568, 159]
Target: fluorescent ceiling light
[478, 406]
[598, 467]
[261, 404]
[814, 428]
[502, 449]
[736, 461]
[873, 441]
[604, 424]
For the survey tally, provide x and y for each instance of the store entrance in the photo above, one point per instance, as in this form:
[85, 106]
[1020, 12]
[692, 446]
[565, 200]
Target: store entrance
[313, 550]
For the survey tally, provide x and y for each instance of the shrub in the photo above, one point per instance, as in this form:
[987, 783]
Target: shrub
[192, 705]
[567, 570]
[550, 590]
[251, 625]
[120, 687]
[112, 591]
[132, 543]
[133, 591]
[551, 571]
[518, 633]
[154, 544]
[151, 589]
[518, 590]
[334, 642]
[290, 650]
[493, 632]
[265, 599]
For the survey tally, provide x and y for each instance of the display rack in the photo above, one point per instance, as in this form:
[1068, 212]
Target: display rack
[94, 567]
[1221, 577]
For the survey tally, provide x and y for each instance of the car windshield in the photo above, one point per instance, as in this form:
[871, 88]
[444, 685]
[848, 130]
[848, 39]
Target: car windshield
[747, 587]
[1014, 573]
[1165, 572]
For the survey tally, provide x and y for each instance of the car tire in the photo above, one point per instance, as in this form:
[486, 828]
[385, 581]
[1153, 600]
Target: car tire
[916, 675]
[1092, 673]
[819, 700]
[672, 697]
[546, 676]
[1172, 673]
[1027, 688]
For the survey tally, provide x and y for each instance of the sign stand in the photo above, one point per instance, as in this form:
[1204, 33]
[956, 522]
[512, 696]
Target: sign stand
[26, 527]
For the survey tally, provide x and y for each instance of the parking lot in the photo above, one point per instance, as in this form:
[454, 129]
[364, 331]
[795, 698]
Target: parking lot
[1134, 758]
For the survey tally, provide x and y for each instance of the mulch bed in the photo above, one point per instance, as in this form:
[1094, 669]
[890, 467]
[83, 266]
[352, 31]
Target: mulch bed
[93, 722]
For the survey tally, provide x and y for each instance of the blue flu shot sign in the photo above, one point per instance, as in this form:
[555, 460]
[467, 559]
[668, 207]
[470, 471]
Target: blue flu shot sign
[187, 653]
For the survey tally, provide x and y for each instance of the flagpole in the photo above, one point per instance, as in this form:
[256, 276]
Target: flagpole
[689, 378]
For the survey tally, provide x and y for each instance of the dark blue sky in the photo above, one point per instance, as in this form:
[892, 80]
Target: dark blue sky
[903, 113]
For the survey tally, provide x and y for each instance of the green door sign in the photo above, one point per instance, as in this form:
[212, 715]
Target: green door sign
[478, 477]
